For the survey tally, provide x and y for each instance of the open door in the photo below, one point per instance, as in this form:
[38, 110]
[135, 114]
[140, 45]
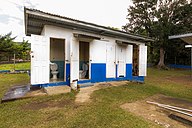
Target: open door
[39, 60]
[74, 60]
[142, 60]
[121, 61]
[110, 62]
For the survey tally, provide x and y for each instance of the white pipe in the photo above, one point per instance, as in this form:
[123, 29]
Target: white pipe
[184, 109]
[172, 108]
[175, 110]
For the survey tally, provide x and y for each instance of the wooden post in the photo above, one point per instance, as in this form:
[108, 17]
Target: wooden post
[14, 63]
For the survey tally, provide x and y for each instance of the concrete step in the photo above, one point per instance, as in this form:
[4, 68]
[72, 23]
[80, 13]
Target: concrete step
[57, 90]
[86, 85]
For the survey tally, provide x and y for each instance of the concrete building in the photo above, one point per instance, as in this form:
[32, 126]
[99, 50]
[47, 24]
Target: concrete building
[66, 51]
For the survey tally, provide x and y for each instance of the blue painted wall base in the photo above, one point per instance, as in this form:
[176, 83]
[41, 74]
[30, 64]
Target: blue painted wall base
[179, 66]
[98, 74]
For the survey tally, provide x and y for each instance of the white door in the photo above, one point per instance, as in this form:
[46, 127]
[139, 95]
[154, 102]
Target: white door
[142, 60]
[39, 59]
[121, 61]
[110, 61]
[74, 60]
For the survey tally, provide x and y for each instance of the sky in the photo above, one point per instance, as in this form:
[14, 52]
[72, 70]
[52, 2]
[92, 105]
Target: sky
[102, 12]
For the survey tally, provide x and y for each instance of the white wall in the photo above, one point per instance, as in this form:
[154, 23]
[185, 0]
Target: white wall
[98, 51]
[61, 33]
[97, 47]
[129, 53]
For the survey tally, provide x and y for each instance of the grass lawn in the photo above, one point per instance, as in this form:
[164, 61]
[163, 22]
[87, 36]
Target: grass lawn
[103, 112]
[18, 66]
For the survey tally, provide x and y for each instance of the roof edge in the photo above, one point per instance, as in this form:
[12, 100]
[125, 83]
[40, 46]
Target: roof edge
[180, 36]
[41, 13]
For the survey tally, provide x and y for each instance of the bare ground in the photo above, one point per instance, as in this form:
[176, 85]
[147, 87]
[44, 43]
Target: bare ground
[157, 114]
[184, 80]
[85, 93]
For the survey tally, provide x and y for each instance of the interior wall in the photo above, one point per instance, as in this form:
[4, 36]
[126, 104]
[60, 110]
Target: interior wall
[57, 50]
[135, 60]
[57, 55]
[83, 53]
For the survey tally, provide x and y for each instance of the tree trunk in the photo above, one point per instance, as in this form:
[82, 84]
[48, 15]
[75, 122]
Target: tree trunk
[161, 63]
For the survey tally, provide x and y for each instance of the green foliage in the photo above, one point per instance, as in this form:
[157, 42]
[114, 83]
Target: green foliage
[6, 43]
[8, 47]
[159, 19]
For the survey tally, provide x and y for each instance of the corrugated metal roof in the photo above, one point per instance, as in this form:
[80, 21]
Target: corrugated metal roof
[185, 37]
[36, 19]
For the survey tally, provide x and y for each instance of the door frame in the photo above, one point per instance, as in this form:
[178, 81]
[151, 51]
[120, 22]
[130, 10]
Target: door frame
[64, 72]
[123, 47]
[89, 60]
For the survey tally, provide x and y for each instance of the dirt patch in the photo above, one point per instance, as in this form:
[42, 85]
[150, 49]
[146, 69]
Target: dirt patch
[184, 80]
[48, 104]
[35, 92]
[157, 114]
[85, 93]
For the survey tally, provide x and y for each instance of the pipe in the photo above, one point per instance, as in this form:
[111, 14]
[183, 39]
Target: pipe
[184, 109]
[172, 108]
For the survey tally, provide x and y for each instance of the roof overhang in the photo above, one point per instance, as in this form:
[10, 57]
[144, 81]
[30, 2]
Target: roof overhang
[185, 37]
[35, 21]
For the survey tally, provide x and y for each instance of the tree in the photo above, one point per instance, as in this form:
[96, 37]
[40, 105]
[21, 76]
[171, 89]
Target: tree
[8, 47]
[158, 19]
[23, 49]
[6, 42]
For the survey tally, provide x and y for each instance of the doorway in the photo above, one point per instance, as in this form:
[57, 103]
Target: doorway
[84, 65]
[110, 61]
[121, 61]
[135, 68]
[57, 56]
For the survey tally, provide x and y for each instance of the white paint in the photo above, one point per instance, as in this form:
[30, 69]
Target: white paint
[110, 60]
[188, 46]
[60, 33]
[142, 60]
[39, 60]
[129, 54]
[98, 51]
[121, 61]
[104, 51]
[74, 60]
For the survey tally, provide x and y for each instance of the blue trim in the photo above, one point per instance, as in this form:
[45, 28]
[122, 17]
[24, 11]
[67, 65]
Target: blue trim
[129, 72]
[98, 72]
[138, 78]
[67, 75]
[116, 70]
[83, 81]
[4, 71]
[8, 71]
[84, 86]
[110, 79]
[179, 66]
[51, 84]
